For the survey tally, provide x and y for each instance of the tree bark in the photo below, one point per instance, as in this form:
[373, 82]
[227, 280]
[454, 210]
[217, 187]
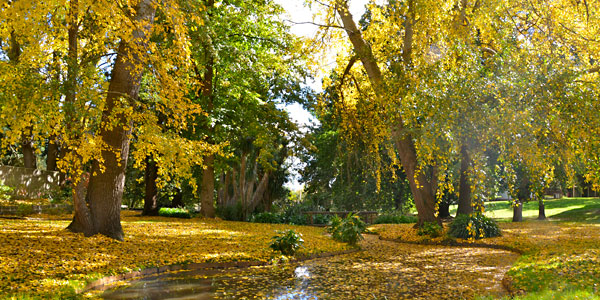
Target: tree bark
[151, 191]
[177, 199]
[541, 209]
[444, 210]
[518, 211]
[207, 206]
[465, 206]
[105, 192]
[52, 154]
[422, 188]
[29, 159]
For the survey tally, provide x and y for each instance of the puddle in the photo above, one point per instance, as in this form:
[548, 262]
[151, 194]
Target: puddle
[384, 270]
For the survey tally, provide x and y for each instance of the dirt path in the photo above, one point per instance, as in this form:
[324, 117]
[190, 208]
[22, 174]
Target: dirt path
[384, 270]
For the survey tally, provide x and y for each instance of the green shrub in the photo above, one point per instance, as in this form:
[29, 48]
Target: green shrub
[287, 242]
[266, 217]
[475, 226]
[295, 219]
[174, 213]
[321, 219]
[231, 212]
[5, 191]
[347, 230]
[395, 219]
[431, 229]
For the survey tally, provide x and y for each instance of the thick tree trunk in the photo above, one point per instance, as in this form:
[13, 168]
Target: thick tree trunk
[207, 190]
[422, 188]
[29, 159]
[465, 207]
[518, 211]
[151, 191]
[541, 209]
[105, 191]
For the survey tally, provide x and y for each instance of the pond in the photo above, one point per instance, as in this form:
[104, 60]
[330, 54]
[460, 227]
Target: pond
[383, 270]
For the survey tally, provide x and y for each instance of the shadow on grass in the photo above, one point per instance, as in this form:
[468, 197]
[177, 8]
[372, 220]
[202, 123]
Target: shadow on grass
[589, 213]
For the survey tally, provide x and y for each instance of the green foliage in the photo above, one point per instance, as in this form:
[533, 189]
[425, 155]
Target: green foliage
[347, 230]
[231, 213]
[174, 213]
[287, 242]
[24, 209]
[266, 217]
[5, 191]
[431, 229]
[474, 226]
[395, 219]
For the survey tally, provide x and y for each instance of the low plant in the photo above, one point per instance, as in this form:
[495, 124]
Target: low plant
[474, 226]
[287, 242]
[266, 217]
[394, 219]
[5, 191]
[431, 229]
[348, 230]
[174, 213]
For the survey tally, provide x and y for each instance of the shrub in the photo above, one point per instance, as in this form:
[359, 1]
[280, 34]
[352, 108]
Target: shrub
[474, 226]
[321, 219]
[5, 191]
[174, 213]
[395, 219]
[266, 217]
[231, 212]
[431, 229]
[347, 230]
[287, 242]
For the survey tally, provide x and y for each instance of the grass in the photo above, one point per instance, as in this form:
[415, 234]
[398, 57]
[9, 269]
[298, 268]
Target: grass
[40, 259]
[561, 256]
[565, 209]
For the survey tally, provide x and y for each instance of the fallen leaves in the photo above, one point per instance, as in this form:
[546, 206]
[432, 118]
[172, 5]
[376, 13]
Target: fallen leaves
[41, 258]
[557, 255]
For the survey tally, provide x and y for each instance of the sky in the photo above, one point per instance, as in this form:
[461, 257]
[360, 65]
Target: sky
[297, 12]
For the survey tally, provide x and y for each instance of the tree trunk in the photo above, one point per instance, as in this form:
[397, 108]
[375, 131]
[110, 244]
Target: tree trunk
[207, 191]
[52, 154]
[105, 191]
[177, 199]
[444, 210]
[151, 191]
[465, 206]
[29, 159]
[541, 209]
[422, 188]
[518, 211]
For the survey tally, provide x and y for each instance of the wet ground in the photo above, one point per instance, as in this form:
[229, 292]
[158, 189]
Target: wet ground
[384, 270]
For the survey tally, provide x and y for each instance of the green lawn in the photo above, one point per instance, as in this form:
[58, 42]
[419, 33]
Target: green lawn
[565, 209]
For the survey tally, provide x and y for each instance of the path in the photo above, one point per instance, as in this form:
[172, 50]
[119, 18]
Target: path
[384, 270]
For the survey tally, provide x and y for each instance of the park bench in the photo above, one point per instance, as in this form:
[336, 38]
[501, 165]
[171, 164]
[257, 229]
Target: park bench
[367, 216]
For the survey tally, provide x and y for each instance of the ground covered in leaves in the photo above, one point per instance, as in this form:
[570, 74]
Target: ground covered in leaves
[383, 270]
[557, 256]
[39, 258]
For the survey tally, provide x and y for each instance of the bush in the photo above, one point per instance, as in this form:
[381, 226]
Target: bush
[5, 191]
[266, 217]
[395, 219]
[287, 242]
[347, 230]
[174, 213]
[431, 229]
[231, 213]
[474, 226]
